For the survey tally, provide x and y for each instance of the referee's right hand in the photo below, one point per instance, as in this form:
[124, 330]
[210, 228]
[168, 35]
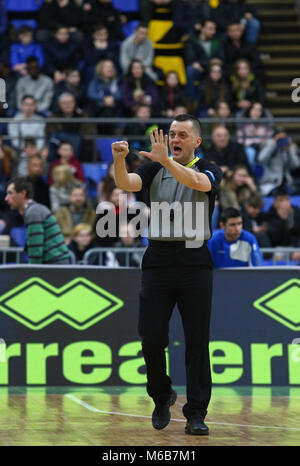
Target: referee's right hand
[119, 149]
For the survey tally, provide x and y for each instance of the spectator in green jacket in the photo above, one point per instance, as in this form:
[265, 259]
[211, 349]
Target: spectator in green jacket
[44, 240]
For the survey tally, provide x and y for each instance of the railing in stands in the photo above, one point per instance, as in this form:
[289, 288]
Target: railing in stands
[275, 255]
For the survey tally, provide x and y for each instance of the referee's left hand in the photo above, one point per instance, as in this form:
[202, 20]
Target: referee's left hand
[159, 152]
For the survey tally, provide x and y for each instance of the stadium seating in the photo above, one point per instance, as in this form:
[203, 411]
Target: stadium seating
[18, 234]
[93, 173]
[23, 5]
[104, 147]
[126, 6]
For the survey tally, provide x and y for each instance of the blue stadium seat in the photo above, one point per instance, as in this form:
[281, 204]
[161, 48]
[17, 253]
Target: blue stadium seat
[18, 234]
[295, 200]
[93, 173]
[18, 23]
[268, 201]
[129, 27]
[104, 147]
[23, 5]
[128, 5]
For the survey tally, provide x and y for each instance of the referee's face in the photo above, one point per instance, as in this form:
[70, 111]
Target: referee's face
[183, 140]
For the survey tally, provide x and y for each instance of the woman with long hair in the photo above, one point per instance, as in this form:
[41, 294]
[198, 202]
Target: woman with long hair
[244, 86]
[63, 183]
[215, 89]
[236, 186]
[138, 89]
[253, 134]
[104, 92]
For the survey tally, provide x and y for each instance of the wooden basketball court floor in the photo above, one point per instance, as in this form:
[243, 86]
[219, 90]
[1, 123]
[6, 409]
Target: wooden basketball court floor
[121, 416]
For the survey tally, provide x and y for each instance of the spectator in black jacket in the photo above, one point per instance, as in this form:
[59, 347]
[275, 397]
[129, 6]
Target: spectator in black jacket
[59, 12]
[98, 47]
[236, 47]
[284, 223]
[224, 152]
[60, 53]
[202, 49]
[102, 10]
[226, 12]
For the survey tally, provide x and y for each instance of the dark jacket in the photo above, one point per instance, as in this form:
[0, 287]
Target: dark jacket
[51, 15]
[232, 155]
[194, 52]
[59, 56]
[284, 232]
[79, 254]
[246, 50]
[104, 13]
[92, 55]
[40, 191]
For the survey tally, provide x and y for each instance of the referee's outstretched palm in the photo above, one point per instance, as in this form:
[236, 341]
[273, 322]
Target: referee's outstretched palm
[159, 142]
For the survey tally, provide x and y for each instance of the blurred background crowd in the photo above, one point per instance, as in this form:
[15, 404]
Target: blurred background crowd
[137, 64]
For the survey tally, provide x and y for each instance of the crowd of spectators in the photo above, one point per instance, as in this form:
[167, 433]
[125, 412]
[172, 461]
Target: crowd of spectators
[84, 60]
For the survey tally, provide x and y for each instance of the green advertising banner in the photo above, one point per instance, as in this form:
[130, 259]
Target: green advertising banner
[78, 325]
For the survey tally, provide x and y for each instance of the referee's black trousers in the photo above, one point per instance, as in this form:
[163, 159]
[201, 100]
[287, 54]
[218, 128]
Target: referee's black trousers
[190, 287]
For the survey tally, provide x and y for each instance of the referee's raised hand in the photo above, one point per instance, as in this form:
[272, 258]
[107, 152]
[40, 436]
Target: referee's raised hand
[119, 149]
[159, 152]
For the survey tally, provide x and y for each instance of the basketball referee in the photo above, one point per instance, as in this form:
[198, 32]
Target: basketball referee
[173, 272]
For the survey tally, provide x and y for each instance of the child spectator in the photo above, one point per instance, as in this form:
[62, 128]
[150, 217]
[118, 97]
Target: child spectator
[63, 183]
[25, 48]
[66, 156]
[82, 241]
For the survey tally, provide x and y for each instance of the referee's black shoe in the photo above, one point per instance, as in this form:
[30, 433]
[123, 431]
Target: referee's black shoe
[161, 415]
[196, 426]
